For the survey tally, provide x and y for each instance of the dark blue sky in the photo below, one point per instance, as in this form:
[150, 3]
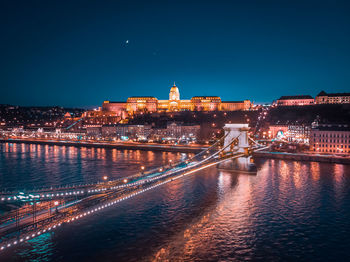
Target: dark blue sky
[74, 53]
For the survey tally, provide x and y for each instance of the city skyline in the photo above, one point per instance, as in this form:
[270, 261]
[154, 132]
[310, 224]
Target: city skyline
[70, 54]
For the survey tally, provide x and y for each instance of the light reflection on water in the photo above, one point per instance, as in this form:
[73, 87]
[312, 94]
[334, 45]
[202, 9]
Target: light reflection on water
[30, 166]
[288, 211]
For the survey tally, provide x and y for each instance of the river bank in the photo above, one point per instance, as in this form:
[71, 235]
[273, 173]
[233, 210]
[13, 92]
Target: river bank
[303, 157]
[118, 145]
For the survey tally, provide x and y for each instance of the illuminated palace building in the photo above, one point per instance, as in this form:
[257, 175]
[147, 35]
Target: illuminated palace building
[143, 104]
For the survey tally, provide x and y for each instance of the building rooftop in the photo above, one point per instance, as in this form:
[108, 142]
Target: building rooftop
[332, 127]
[296, 97]
[237, 102]
[323, 93]
[207, 97]
[152, 97]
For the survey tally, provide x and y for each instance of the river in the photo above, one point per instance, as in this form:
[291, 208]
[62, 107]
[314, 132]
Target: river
[288, 211]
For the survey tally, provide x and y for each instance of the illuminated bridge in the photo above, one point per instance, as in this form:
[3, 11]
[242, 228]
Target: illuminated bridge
[42, 210]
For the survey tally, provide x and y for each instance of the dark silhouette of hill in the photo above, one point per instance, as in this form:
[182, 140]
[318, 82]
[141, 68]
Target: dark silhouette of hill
[339, 114]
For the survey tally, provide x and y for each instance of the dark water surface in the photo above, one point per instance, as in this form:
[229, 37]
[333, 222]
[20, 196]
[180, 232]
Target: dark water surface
[289, 211]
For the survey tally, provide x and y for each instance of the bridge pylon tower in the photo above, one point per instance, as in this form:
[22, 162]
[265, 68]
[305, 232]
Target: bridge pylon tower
[237, 130]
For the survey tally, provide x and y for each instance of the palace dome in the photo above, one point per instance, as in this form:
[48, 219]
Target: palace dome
[174, 93]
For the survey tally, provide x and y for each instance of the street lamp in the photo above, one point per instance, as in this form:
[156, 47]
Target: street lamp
[56, 203]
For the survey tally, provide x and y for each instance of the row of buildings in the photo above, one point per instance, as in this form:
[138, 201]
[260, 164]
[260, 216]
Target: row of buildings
[172, 131]
[321, 98]
[299, 133]
[142, 104]
[322, 138]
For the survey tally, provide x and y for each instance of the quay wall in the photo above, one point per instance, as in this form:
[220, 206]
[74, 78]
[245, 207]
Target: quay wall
[303, 157]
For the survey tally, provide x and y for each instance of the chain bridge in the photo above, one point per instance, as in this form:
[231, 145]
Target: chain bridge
[45, 209]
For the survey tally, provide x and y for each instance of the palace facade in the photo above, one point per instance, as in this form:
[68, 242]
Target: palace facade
[143, 104]
[301, 100]
[332, 98]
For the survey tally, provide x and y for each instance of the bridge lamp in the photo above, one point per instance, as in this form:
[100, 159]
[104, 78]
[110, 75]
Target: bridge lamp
[125, 180]
[160, 169]
[142, 168]
[56, 203]
[105, 177]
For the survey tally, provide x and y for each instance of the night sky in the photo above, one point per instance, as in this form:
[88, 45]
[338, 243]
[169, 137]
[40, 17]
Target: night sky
[79, 53]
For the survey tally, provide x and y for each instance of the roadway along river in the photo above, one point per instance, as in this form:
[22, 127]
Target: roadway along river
[289, 211]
